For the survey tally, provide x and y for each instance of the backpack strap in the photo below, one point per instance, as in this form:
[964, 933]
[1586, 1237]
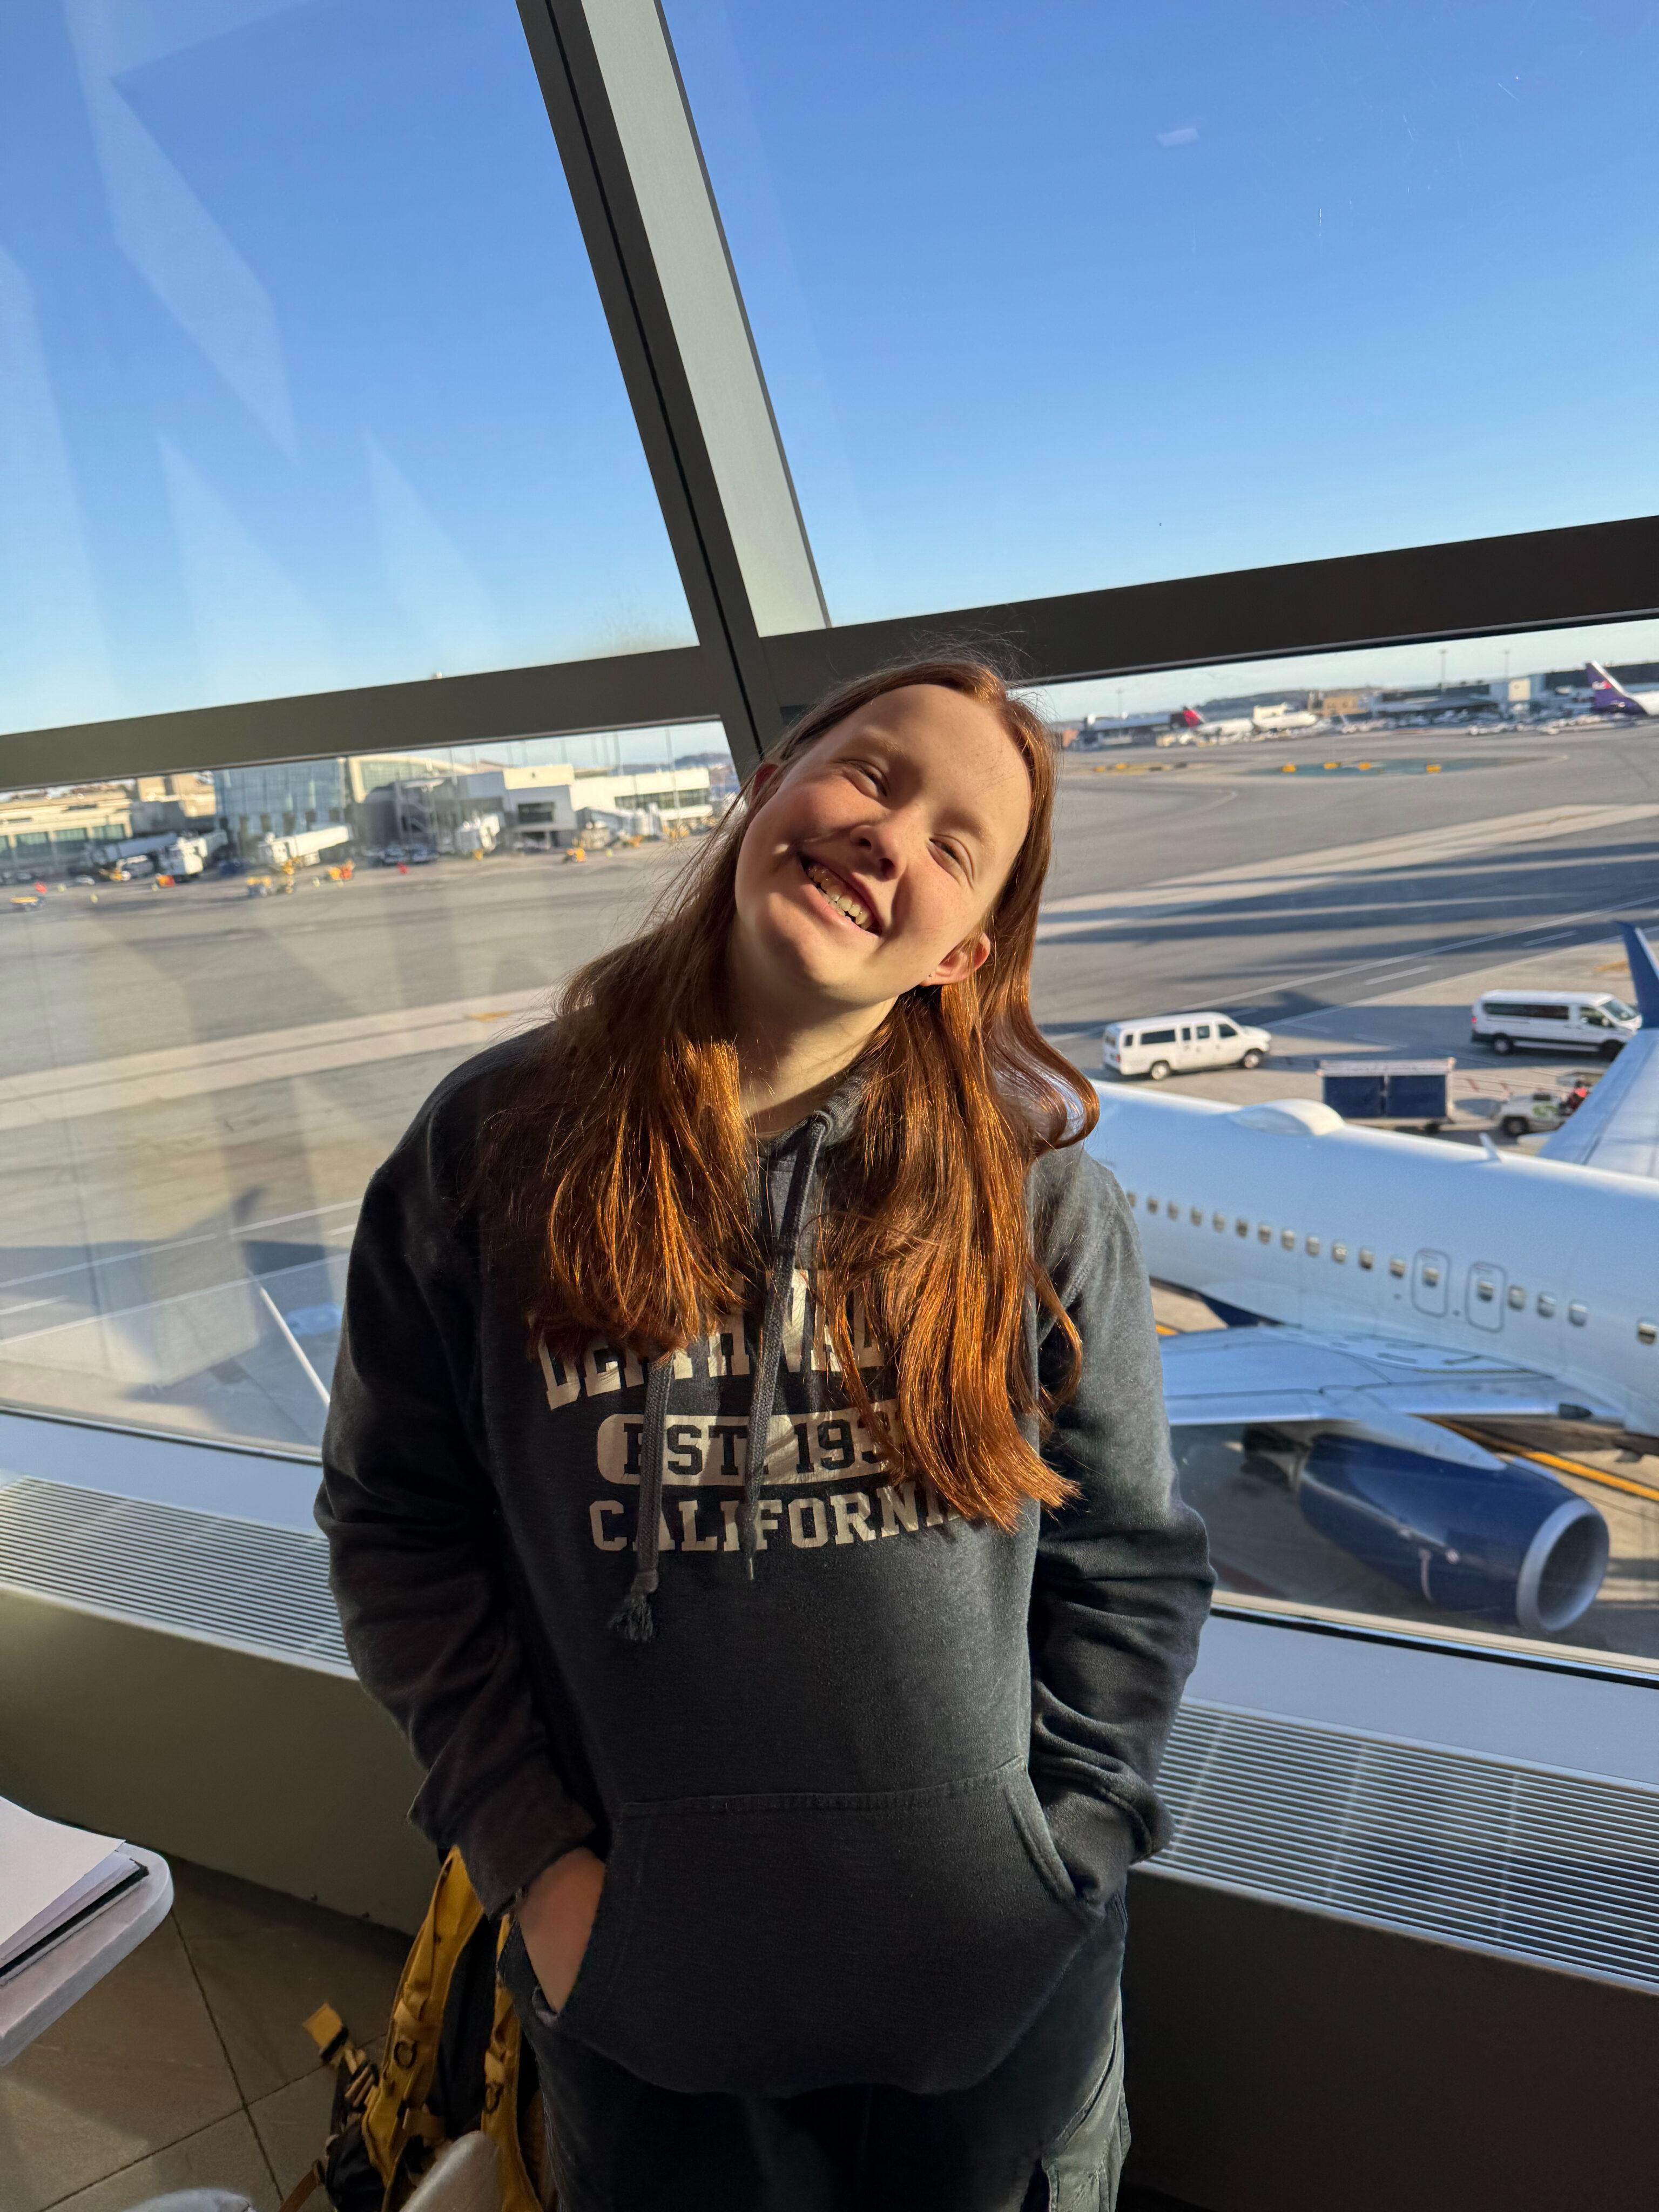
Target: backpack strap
[500, 2118]
[396, 2113]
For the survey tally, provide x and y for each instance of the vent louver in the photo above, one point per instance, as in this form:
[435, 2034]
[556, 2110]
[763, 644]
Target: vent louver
[1561, 1869]
[237, 1583]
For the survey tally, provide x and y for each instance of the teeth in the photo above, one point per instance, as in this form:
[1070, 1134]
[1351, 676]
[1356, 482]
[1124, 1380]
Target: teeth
[839, 897]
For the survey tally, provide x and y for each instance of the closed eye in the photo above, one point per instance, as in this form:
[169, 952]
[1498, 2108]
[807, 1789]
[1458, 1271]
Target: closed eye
[958, 858]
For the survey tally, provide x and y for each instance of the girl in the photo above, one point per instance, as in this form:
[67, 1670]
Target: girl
[747, 1484]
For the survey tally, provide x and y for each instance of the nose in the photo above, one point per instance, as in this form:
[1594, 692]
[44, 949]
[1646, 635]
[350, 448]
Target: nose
[879, 842]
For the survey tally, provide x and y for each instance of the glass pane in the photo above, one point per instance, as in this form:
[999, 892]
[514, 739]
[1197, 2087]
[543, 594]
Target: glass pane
[224, 994]
[1055, 298]
[306, 383]
[1391, 882]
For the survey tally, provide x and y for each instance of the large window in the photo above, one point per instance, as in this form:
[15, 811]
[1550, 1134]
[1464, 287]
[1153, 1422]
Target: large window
[1057, 298]
[344, 346]
[219, 1019]
[1411, 1354]
[305, 382]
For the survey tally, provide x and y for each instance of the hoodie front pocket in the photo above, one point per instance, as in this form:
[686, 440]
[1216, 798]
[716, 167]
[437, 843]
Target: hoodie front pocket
[773, 1944]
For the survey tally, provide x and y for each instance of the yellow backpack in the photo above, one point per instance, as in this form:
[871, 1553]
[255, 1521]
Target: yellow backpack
[453, 2061]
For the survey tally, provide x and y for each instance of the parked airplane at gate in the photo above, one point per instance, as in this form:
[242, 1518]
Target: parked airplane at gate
[1414, 1283]
[1609, 696]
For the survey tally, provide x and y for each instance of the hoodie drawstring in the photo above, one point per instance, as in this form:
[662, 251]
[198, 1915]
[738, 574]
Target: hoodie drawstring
[633, 1620]
[764, 1389]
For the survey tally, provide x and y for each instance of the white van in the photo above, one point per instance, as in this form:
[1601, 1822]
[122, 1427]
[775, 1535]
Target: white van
[1174, 1044]
[1558, 1021]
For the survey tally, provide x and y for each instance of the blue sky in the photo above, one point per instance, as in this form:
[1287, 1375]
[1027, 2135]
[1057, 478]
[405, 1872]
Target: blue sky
[304, 381]
[1057, 297]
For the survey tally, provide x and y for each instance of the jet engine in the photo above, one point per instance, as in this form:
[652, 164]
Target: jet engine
[1506, 1540]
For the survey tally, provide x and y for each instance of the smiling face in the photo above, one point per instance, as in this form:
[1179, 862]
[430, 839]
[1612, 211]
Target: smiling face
[871, 861]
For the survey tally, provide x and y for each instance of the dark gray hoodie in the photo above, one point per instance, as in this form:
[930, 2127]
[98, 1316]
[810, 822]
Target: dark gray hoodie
[874, 1773]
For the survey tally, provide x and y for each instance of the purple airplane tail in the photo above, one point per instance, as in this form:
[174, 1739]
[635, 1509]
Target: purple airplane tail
[1610, 696]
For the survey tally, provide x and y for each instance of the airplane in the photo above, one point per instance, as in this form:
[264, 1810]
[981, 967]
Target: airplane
[1609, 696]
[1376, 1285]
[1184, 724]
[1258, 723]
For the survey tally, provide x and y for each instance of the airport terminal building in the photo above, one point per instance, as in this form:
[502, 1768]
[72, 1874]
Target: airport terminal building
[386, 798]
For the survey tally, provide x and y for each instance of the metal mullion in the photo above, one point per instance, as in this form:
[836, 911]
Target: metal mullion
[1537, 580]
[620, 691]
[630, 290]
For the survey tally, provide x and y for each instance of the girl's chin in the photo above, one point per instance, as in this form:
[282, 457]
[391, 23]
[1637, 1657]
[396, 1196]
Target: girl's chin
[810, 969]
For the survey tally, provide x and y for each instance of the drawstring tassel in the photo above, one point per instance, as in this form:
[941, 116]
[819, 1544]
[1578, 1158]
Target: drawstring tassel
[746, 1521]
[633, 1620]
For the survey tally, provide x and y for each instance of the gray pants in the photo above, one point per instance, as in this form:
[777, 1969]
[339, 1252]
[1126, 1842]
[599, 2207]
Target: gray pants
[1047, 2127]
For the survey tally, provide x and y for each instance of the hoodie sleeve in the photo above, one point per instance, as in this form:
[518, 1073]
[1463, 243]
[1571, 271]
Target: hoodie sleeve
[1122, 1579]
[408, 1510]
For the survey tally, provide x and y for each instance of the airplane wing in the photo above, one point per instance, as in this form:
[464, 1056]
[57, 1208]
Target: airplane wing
[1617, 1128]
[1223, 1376]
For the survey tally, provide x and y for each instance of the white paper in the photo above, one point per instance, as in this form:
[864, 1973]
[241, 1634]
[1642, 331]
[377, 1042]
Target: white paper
[48, 1872]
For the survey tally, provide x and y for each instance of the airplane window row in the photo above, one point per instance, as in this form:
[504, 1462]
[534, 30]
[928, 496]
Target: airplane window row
[1288, 1237]
[1485, 1287]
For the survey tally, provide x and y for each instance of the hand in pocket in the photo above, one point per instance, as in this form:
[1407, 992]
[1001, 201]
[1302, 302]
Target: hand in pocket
[557, 1919]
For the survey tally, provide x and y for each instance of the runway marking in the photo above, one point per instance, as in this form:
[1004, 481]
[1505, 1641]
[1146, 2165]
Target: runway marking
[1447, 952]
[173, 1245]
[281, 1220]
[1085, 910]
[250, 1282]
[111, 1259]
[197, 1071]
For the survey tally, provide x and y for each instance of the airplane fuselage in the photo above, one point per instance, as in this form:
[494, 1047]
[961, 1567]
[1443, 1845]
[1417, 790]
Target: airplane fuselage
[1549, 1265]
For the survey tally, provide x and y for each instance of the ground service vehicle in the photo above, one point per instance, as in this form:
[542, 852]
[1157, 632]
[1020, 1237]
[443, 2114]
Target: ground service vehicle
[1522, 1113]
[1177, 1044]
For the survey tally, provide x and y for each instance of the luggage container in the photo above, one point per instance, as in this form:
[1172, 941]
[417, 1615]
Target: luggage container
[1388, 1089]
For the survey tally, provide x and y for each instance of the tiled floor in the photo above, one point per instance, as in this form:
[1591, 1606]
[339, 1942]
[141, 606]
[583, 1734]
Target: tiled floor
[187, 2065]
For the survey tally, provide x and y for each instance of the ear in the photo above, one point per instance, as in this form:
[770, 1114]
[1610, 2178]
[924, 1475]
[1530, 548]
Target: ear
[965, 960]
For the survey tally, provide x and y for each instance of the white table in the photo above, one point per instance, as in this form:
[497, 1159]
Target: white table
[41, 1992]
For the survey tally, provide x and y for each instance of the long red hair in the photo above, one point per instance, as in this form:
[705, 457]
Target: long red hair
[622, 1165]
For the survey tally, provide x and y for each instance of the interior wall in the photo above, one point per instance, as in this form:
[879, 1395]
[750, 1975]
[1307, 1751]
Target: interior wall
[1281, 2062]
[285, 1775]
[1277, 2061]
